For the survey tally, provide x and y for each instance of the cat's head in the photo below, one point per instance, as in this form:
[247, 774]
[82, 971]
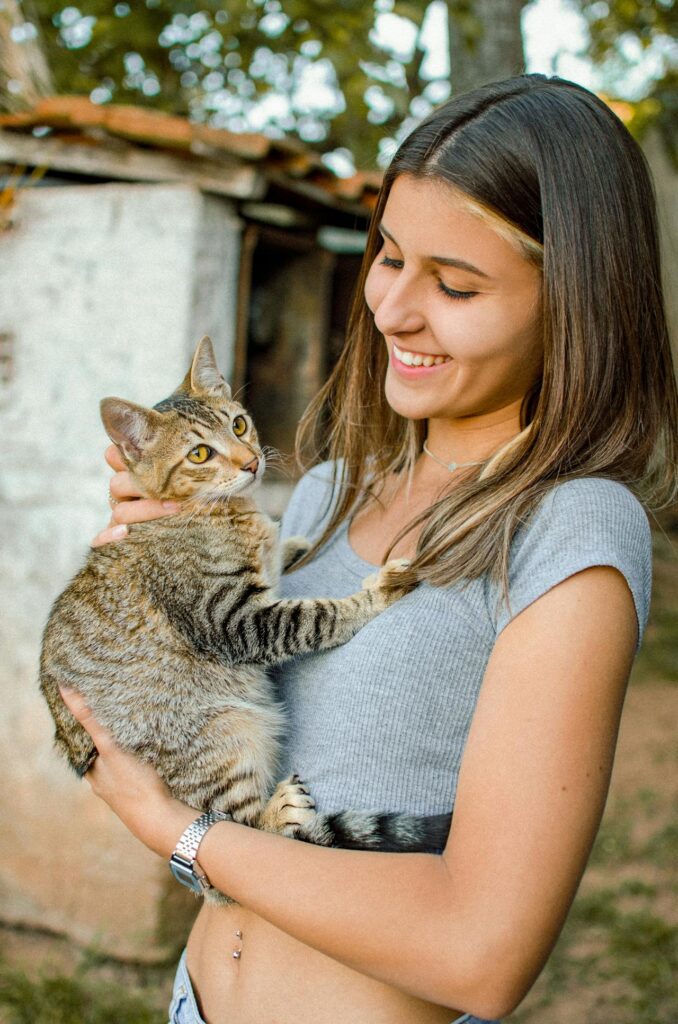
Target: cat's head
[198, 444]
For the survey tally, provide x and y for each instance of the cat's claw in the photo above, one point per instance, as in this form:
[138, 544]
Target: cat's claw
[388, 581]
[290, 806]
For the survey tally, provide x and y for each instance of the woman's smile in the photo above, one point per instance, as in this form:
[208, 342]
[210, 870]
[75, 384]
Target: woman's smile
[410, 364]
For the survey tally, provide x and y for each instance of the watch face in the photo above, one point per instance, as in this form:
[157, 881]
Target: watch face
[184, 874]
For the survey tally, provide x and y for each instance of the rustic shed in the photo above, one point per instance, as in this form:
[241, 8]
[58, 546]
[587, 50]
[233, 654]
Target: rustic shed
[125, 235]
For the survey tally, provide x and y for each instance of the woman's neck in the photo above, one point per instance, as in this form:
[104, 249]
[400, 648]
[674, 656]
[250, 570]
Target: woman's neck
[473, 438]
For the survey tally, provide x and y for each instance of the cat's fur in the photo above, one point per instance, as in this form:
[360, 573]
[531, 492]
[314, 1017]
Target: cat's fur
[167, 634]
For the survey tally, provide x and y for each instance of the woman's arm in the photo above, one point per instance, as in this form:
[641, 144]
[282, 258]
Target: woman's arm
[472, 928]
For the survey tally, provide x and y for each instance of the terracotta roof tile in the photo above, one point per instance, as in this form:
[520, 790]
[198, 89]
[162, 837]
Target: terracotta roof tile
[77, 119]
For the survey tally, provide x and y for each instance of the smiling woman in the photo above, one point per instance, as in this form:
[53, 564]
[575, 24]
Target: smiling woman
[504, 403]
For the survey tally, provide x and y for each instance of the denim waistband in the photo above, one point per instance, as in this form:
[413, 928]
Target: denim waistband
[183, 1008]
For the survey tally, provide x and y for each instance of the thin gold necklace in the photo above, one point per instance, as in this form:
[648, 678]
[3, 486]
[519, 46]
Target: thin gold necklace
[452, 465]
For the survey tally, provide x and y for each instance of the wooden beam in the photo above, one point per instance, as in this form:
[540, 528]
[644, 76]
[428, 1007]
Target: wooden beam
[129, 163]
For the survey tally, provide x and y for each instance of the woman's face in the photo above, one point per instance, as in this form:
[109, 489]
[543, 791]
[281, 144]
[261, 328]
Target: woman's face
[446, 285]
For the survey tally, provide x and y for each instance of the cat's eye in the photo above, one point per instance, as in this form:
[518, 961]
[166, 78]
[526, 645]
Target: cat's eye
[239, 426]
[200, 454]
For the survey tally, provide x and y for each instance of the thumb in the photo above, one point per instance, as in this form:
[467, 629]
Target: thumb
[75, 703]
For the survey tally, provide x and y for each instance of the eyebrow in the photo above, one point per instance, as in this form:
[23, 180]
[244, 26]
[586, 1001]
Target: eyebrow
[445, 261]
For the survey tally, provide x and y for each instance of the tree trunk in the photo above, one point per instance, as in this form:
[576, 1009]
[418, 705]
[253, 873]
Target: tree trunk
[486, 43]
[24, 72]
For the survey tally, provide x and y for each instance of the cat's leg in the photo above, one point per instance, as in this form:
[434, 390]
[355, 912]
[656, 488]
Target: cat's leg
[228, 762]
[268, 634]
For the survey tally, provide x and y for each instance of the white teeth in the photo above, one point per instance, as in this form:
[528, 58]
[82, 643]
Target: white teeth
[416, 359]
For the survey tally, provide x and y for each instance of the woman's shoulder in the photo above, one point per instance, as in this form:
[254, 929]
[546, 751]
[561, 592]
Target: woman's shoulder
[578, 524]
[592, 510]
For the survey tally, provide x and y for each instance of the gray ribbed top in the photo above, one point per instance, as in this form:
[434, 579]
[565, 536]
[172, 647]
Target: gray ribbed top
[380, 723]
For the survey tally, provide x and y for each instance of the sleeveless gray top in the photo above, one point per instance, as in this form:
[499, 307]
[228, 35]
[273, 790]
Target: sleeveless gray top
[380, 723]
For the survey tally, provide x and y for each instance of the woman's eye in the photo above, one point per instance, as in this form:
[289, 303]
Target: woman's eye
[453, 294]
[200, 454]
[239, 426]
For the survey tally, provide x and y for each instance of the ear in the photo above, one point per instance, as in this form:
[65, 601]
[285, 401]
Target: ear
[204, 375]
[129, 426]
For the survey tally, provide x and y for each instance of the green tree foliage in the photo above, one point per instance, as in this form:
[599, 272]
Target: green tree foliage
[320, 69]
[626, 33]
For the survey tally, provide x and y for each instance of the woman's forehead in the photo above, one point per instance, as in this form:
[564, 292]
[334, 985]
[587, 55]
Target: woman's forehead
[433, 219]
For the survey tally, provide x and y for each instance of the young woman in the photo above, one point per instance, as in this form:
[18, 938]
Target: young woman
[504, 399]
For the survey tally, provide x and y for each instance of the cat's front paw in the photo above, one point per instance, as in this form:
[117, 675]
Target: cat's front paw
[292, 550]
[290, 807]
[391, 582]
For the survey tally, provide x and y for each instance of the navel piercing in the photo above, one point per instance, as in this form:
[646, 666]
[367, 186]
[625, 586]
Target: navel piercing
[237, 953]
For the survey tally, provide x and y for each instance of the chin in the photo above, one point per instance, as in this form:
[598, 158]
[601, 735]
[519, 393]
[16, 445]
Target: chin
[408, 405]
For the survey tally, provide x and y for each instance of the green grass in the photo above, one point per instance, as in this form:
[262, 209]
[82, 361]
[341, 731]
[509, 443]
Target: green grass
[58, 999]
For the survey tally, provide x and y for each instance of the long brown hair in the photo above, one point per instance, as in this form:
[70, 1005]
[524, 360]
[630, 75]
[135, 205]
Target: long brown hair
[557, 167]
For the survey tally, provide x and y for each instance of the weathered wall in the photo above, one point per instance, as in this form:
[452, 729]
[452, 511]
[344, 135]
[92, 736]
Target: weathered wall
[103, 290]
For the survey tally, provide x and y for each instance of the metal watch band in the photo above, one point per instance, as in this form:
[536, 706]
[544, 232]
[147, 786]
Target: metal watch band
[189, 841]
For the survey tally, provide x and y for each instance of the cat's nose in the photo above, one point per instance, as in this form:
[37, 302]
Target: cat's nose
[252, 466]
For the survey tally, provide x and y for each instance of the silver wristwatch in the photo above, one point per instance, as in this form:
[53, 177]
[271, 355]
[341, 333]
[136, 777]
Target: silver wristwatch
[183, 862]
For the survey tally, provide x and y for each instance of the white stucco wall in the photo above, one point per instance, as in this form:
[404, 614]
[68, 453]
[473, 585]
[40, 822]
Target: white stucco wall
[104, 289]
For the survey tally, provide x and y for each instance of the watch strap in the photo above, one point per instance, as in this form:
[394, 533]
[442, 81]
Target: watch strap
[183, 863]
[189, 841]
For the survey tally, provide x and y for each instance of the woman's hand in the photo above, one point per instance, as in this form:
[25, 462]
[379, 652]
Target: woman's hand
[127, 502]
[132, 789]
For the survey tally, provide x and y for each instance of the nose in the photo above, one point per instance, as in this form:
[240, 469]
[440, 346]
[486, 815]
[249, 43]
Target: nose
[397, 309]
[252, 466]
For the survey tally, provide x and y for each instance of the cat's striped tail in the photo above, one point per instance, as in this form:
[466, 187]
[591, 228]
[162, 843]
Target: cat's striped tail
[389, 832]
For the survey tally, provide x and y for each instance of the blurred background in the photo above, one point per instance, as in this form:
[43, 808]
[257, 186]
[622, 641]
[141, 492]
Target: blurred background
[170, 169]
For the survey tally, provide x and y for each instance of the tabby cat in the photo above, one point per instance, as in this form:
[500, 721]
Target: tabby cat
[167, 634]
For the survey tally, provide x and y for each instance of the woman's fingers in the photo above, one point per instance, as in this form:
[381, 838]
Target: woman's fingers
[109, 535]
[122, 487]
[142, 510]
[127, 504]
[114, 458]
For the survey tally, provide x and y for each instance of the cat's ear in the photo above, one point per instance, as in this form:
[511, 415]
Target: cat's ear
[204, 375]
[129, 426]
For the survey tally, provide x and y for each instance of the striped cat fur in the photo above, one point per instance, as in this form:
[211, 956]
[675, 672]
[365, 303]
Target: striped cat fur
[167, 635]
